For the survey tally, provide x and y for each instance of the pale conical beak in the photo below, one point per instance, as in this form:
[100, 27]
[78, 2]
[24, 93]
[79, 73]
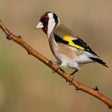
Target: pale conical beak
[40, 25]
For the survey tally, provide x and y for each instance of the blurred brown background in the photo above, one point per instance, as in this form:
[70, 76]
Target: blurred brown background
[27, 85]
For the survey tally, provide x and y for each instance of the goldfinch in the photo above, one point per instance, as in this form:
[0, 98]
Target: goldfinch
[69, 50]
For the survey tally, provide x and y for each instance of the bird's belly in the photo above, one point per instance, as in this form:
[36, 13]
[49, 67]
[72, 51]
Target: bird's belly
[63, 52]
[72, 60]
[69, 56]
[68, 62]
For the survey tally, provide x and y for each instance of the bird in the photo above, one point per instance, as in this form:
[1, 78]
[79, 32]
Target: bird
[69, 49]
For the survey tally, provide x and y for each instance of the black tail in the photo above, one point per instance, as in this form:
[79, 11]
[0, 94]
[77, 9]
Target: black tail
[99, 61]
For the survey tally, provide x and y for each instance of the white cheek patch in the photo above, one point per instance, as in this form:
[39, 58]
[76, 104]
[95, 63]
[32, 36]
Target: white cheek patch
[51, 24]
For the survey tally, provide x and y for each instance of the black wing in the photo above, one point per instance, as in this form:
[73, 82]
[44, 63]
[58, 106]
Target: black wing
[81, 43]
[77, 41]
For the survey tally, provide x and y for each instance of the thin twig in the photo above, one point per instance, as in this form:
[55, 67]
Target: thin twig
[33, 52]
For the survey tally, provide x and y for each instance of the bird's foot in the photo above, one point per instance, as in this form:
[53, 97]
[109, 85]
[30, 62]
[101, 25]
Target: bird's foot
[72, 76]
[70, 82]
[57, 64]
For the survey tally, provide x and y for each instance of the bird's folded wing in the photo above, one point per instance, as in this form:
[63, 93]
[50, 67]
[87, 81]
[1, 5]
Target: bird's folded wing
[74, 42]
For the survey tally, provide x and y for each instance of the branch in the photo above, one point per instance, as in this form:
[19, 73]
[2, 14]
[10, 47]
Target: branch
[33, 52]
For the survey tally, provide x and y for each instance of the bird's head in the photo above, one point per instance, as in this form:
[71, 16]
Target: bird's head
[47, 22]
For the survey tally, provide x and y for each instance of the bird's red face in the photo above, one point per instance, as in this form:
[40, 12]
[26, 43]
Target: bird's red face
[44, 22]
[47, 22]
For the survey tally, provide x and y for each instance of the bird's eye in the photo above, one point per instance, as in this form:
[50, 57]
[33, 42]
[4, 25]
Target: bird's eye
[45, 20]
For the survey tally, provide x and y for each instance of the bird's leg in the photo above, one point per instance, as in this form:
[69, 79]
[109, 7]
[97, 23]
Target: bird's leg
[72, 76]
[76, 70]
[57, 63]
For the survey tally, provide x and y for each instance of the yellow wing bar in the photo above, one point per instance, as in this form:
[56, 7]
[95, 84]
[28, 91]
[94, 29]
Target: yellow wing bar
[71, 43]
